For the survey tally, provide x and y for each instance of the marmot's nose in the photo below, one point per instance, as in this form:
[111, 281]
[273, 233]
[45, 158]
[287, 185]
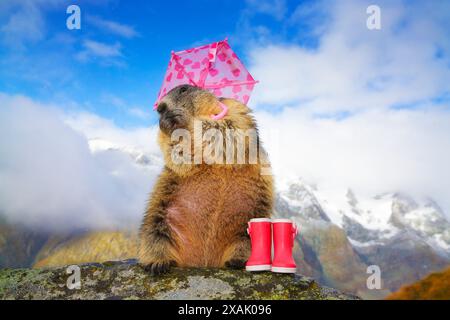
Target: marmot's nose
[171, 120]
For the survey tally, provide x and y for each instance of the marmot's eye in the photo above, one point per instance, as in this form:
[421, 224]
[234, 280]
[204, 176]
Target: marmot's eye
[183, 89]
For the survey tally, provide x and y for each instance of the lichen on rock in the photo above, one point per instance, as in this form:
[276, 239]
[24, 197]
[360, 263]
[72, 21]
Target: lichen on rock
[127, 280]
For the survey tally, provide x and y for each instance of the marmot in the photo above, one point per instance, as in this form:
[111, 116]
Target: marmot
[197, 213]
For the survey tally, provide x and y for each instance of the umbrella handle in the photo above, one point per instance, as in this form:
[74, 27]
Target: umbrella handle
[222, 113]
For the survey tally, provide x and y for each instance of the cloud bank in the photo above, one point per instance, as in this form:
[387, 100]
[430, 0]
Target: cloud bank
[353, 68]
[113, 27]
[375, 152]
[50, 179]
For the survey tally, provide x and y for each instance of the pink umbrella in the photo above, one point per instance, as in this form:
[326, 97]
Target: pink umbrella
[214, 67]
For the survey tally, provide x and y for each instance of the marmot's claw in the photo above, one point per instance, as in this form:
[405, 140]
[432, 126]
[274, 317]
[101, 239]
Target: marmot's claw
[160, 267]
[235, 264]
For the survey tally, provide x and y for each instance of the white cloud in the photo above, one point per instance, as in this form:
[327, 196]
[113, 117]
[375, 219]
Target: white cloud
[354, 68]
[24, 25]
[119, 103]
[373, 152]
[93, 49]
[274, 8]
[141, 113]
[113, 27]
[50, 179]
[22, 22]
[92, 127]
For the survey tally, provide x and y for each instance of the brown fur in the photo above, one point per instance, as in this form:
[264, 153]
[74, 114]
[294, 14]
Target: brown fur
[197, 214]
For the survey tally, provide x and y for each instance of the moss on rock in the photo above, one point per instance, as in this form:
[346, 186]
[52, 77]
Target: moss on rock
[127, 280]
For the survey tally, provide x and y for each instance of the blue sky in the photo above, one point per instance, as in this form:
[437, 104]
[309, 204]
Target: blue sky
[114, 65]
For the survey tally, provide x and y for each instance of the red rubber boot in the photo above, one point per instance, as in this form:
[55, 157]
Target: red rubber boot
[284, 232]
[260, 231]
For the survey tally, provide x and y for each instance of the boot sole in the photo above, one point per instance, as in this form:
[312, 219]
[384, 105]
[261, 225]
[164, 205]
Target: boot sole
[283, 270]
[262, 267]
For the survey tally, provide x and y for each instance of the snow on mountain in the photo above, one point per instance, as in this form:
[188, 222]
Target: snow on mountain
[145, 159]
[367, 220]
[425, 218]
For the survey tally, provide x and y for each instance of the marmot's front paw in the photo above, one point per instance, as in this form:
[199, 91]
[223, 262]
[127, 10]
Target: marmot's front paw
[159, 267]
[235, 264]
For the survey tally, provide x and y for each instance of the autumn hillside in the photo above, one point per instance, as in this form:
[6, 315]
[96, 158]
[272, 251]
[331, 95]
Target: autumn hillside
[89, 247]
[436, 286]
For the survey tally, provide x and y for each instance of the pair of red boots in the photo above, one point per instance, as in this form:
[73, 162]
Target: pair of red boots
[260, 231]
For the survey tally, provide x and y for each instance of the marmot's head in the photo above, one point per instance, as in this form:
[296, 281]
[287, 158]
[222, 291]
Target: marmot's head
[180, 106]
[185, 106]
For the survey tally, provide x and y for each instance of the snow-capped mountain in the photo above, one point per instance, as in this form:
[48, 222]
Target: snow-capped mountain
[367, 221]
[342, 233]
[140, 157]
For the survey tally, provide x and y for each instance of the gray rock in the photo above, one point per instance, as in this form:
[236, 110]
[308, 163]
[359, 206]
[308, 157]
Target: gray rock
[127, 280]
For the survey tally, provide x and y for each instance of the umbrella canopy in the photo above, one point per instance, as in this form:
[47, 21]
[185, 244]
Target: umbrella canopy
[214, 67]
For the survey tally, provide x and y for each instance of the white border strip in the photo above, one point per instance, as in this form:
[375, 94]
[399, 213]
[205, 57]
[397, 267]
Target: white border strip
[260, 267]
[283, 270]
